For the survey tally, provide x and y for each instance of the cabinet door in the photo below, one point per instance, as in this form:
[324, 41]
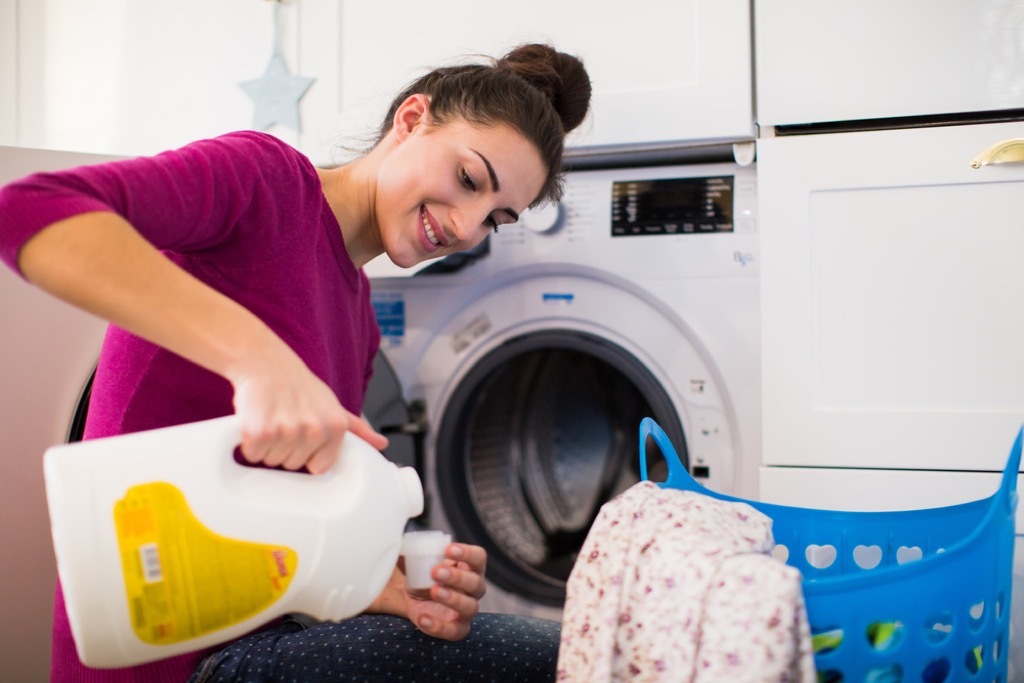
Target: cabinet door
[841, 61]
[892, 299]
[662, 70]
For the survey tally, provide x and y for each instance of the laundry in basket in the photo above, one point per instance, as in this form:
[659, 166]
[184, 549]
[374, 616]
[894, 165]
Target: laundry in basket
[917, 595]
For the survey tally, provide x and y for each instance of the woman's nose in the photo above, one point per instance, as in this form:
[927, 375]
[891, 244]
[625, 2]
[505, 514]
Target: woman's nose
[468, 222]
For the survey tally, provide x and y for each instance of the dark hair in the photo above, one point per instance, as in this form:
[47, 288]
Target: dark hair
[534, 89]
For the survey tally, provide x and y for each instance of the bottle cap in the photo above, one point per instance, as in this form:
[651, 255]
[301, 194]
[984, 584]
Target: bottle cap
[423, 550]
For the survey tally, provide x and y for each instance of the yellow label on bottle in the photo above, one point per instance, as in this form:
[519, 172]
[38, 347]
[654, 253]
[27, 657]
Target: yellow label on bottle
[183, 580]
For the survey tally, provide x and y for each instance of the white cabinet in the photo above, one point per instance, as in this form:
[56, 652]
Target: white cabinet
[892, 299]
[842, 61]
[662, 70]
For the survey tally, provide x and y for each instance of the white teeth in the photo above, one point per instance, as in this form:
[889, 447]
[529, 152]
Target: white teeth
[430, 232]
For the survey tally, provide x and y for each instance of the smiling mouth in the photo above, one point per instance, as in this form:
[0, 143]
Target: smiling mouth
[428, 228]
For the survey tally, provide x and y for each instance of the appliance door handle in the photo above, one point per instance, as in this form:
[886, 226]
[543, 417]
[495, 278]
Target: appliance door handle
[1003, 152]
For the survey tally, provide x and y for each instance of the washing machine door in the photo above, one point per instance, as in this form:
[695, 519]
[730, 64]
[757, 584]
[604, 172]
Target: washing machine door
[539, 434]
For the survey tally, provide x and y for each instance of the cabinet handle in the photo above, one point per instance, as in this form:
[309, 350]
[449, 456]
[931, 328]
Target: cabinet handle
[1005, 151]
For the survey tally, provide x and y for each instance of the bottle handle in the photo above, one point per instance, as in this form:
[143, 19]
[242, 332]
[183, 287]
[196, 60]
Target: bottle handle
[225, 434]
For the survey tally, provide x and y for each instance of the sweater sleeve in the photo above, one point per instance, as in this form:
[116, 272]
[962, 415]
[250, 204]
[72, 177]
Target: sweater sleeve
[186, 200]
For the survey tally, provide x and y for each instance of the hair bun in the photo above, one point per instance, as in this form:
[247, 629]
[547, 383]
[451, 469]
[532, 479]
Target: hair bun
[560, 76]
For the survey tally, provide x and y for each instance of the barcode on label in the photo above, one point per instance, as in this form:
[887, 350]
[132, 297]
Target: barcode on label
[150, 556]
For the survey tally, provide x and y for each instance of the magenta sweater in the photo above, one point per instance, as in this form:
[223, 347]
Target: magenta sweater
[244, 213]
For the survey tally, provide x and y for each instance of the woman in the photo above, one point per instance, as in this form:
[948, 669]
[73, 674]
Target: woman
[230, 271]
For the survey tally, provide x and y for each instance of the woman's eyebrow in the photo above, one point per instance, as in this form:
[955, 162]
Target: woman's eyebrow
[494, 183]
[490, 171]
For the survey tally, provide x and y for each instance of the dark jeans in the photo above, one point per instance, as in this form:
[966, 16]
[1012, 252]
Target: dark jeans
[499, 647]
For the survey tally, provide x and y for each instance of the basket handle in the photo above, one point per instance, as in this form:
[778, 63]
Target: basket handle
[678, 477]
[1008, 487]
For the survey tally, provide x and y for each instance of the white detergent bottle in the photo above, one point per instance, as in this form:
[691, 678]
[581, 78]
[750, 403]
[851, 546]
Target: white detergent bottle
[166, 545]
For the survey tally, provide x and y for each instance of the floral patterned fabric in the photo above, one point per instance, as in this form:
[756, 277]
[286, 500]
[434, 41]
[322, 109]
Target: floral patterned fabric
[677, 586]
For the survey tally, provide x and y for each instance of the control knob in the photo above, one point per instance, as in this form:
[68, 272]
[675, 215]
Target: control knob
[542, 219]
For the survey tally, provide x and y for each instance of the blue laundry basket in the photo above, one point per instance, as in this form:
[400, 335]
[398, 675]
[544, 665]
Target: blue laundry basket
[919, 595]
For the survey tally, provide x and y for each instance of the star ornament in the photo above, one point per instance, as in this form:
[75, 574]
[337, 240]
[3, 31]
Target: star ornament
[276, 95]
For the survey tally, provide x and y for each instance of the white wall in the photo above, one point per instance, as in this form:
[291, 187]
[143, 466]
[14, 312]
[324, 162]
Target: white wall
[8, 68]
[133, 77]
[47, 349]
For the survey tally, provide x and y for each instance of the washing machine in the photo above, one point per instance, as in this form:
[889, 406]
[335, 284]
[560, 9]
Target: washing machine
[517, 375]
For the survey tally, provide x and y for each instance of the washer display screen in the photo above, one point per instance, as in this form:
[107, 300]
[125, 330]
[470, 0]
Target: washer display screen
[672, 206]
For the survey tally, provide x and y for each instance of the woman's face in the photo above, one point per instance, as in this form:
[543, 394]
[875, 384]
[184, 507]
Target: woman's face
[444, 188]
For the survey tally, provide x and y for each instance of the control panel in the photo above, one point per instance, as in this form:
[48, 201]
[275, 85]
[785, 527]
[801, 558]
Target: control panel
[672, 206]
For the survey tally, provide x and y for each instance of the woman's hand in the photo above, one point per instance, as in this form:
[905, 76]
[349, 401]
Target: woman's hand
[447, 609]
[455, 599]
[291, 419]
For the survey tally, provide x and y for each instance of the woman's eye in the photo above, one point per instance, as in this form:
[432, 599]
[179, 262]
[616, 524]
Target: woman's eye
[490, 221]
[466, 180]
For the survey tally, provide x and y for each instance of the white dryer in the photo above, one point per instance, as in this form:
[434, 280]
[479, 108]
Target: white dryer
[530, 363]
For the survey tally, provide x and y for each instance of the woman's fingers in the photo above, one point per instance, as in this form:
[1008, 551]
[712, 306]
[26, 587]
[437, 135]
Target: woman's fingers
[325, 457]
[361, 428]
[465, 605]
[444, 629]
[274, 446]
[463, 571]
[461, 580]
[472, 556]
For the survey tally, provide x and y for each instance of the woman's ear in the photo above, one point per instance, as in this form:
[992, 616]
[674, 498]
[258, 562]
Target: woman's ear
[413, 112]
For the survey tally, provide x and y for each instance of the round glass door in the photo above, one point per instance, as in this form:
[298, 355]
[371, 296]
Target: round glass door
[538, 435]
